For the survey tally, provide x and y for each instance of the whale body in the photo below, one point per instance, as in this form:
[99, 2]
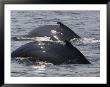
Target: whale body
[51, 44]
[52, 52]
[55, 32]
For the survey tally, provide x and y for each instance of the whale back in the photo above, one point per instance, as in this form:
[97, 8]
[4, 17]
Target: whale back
[55, 53]
[55, 32]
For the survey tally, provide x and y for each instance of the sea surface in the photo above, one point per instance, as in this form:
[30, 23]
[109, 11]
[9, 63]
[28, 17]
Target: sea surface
[85, 23]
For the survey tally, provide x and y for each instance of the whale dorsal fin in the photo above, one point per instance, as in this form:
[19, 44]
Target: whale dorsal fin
[67, 28]
[61, 24]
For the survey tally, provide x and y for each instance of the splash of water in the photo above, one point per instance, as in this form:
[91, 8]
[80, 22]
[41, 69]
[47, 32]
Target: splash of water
[84, 40]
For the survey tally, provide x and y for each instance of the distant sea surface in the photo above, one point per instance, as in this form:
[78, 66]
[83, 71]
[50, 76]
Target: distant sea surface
[85, 23]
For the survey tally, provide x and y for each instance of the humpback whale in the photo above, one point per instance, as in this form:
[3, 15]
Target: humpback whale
[52, 52]
[55, 32]
[51, 44]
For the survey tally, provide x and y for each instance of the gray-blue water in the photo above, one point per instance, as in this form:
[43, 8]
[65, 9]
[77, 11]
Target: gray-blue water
[85, 23]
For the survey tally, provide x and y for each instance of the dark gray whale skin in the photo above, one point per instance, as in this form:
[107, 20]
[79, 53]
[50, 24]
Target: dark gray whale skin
[51, 52]
[62, 32]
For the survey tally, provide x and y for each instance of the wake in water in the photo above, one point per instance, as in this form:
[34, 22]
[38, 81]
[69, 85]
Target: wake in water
[30, 61]
[84, 41]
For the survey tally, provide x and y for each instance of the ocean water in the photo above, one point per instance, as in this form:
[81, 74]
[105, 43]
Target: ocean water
[85, 23]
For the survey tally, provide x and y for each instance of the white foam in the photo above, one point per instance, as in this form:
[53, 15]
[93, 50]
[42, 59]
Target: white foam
[85, 40]
[45, 38]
